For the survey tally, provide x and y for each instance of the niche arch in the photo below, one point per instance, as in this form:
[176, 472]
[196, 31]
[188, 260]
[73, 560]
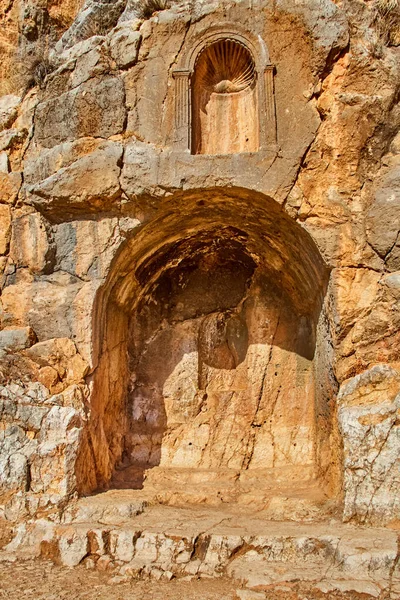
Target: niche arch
[245, 113]
[224, 100]
[212, 315]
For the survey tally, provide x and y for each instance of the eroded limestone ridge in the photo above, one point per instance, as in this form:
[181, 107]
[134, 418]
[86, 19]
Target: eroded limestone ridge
[200, 266]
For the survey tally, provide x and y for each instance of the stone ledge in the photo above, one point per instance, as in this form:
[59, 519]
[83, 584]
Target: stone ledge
[165, 542]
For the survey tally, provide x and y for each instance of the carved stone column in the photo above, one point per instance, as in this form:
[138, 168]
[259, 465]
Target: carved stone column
[270, 105]
[182, 108]
[268, 133]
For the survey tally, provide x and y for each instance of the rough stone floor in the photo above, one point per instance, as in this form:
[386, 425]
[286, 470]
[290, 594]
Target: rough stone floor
[41, 580]
[117, 546]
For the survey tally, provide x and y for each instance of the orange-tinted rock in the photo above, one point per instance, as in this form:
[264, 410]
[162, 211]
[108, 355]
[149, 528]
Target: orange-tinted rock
[199, 221]
[5, 226]
[48, 376]
[9, 187]
[30, 242]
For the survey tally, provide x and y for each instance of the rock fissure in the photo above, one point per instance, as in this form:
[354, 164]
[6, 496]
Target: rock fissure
[199, 255]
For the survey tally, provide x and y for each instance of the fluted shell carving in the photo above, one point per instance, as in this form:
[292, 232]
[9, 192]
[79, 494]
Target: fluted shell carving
[225, 67]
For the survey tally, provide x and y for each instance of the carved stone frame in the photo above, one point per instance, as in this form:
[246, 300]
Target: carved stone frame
[265, 85]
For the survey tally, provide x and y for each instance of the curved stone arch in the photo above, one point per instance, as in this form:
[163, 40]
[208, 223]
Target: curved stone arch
[255, 44]
[183, 74]
[209, 208]
[267, 236]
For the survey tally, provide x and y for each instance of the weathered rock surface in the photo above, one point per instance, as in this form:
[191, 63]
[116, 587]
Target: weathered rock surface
[10, 186]
[12, 340]
[96, 108]
[89, 184]
[383, 217]
[369, 406]
[162, 543]
[8, 110]
[95, 17]
[200, 285]
[39, 437]
[124, 44]
[30, 244]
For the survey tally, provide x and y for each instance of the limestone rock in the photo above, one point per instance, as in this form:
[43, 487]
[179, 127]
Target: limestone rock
[14, 453]
[95, 108]
[365, 321]
[124, 46]
[141, 167]
[86, 60]
[87, 184]
[355, 586]
[30, 246]
[61, 355]
[111, 508]
[31, 393]
[383, 217]
[30, 417]
[48, 376]
[370, 387]
[250, 595]
[4, 165]
[75, 247]
[35, 434]
[76, 52]
[14, 339]
[41, 163]
[392, 281]
[328, 24]
[369, 406]
[53, 466]
[257, 553]
[199, 216]
[8, 110]
[26, 112]
[94, 19]
[10, 184]
[130, 12]
[5, 225]
[73, 548]
[45, 304]
[52, 350]
[8, 138]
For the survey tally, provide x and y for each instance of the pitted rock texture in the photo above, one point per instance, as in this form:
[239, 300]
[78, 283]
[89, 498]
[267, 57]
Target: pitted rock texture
[41, 423]
[162, 543]
[43, 579]
[369, 406]
[217, 322]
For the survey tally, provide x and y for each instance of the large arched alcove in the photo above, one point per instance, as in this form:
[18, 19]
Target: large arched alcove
[208, 344]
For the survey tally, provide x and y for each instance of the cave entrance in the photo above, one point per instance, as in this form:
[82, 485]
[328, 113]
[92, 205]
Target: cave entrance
[212, 381]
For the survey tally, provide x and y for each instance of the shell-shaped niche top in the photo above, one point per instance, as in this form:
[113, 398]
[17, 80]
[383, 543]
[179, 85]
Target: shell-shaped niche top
[225, 67]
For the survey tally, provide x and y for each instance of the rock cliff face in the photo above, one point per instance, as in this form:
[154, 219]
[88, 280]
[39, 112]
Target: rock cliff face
[200, 254]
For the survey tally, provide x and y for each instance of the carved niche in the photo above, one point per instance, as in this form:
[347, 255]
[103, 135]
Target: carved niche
[224, 95]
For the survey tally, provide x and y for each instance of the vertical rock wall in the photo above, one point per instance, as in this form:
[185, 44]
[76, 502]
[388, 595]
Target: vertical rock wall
[94, 181]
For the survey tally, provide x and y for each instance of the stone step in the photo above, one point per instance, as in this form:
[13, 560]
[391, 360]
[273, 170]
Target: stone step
[263, 489]
[108, 508]
[282, 504]
[165, 542]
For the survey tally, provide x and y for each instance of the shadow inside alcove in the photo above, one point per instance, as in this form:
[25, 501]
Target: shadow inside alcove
[210, 332]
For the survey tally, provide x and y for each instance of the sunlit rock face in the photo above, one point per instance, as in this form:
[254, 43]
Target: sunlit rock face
[217, 357]
[199, 252]
[221, 366]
